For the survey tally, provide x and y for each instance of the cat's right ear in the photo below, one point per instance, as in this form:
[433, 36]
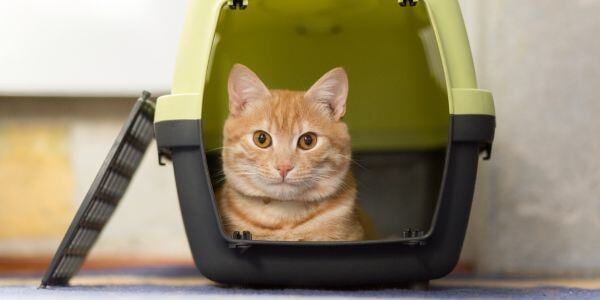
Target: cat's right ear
[244, 87]
[331, 91]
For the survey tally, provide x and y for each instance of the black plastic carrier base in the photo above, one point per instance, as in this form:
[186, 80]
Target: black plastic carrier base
[242, 261]
[414, 258]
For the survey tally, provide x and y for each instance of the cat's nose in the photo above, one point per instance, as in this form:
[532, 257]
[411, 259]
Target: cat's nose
[284, 169]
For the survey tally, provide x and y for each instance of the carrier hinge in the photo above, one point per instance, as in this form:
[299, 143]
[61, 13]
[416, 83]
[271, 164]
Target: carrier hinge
[244, 236]
[404, 3]
[235, 4]
[409, 234]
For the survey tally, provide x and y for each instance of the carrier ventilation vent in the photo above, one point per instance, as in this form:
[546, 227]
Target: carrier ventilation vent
[104, 195]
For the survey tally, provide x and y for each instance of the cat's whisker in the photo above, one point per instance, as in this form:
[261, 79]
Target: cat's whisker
[219, 180]
[219, 148]
[219, 172]
[349, 157]
[318, 178]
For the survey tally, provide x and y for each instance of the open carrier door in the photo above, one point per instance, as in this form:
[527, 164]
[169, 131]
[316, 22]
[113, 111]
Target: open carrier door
[105, 193]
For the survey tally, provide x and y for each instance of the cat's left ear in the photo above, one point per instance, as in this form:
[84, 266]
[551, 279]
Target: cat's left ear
[332, 91]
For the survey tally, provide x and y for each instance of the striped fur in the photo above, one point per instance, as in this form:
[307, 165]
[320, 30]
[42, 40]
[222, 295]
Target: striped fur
[316, 200]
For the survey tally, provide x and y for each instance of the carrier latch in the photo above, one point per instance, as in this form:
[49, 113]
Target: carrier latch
[235, 4]
[486, 149]
[163, 153]
[403, 3]
[478, 129]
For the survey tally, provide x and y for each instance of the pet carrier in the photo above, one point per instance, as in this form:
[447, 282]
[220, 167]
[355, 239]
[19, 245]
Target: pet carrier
[417, 119]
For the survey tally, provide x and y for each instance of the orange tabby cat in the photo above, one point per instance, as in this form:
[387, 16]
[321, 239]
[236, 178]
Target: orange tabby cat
[286, 160]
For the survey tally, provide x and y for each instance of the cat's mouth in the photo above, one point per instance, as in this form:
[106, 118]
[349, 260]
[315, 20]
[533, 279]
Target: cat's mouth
[285, 182]
[284, 190]
[276, 187]
[288, 184]
[300, 188]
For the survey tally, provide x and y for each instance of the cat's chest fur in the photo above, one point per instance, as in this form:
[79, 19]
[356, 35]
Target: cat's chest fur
[334, 218]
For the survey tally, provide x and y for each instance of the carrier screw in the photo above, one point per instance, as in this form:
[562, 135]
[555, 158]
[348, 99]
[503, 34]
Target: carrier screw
[235, 4]
[403, 3]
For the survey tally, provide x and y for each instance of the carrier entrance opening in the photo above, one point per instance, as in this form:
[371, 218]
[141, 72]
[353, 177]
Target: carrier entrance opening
[397, 109]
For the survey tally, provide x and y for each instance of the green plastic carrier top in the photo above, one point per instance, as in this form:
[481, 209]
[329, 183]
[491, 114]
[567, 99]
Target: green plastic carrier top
[401, 64]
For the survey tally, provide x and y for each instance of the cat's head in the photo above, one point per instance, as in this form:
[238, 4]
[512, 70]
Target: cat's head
[286, 145]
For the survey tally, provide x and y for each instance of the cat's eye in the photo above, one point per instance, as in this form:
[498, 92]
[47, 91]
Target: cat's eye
[307, 141]
[262, 139]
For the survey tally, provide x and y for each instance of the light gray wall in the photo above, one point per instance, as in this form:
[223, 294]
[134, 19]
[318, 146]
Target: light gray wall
[147, 223]
[537, 207]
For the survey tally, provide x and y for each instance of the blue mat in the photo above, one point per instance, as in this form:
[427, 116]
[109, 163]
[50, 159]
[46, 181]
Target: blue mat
[185, 282]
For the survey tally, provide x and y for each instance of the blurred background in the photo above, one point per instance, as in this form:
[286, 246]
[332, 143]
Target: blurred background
[70, 73]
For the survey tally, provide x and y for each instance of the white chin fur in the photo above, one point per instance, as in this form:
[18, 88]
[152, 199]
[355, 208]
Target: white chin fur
[285, 192]
[282, 191]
